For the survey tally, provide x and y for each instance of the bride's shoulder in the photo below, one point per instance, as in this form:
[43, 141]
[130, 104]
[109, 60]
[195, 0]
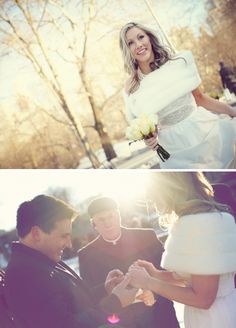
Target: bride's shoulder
[186, 54]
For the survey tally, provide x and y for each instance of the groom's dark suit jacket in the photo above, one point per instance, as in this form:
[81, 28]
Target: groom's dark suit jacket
[99, 257]
[41, 293]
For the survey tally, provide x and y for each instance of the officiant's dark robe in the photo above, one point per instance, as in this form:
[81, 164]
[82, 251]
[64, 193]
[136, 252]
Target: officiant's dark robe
[99, 257]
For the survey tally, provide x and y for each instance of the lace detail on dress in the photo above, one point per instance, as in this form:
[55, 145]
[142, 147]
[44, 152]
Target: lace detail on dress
[177, 116]
[183, 107]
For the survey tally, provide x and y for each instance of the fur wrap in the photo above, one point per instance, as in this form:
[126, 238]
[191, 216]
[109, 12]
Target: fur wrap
[161, 87]
[203, 243]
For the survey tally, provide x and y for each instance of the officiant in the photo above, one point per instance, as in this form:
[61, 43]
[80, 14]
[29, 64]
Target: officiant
[118, 247]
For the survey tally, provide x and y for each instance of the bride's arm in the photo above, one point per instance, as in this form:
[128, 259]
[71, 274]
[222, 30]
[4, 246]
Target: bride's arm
[213, 105]
[201, 294]
[167, 276]
[170, 277]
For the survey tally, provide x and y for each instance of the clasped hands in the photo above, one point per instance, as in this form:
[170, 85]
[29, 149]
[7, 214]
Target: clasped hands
[130, 287]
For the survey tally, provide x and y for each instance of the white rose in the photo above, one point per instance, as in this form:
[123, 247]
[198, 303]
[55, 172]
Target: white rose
[136, 134]
[143, 116]
[144, 127]
[153, 118]
[152, 127]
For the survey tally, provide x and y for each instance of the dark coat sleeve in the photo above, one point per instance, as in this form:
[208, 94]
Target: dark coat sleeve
[37, 301]
[87, 272]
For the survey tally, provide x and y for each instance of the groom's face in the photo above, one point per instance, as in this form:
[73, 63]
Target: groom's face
[52, 244]
[107, 223]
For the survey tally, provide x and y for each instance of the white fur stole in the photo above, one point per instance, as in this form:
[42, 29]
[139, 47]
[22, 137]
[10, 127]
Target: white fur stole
[203, 243]
[161, 87]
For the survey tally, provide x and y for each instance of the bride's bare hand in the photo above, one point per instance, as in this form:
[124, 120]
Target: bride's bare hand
[151, 269]
[152, 142]
[139, 276]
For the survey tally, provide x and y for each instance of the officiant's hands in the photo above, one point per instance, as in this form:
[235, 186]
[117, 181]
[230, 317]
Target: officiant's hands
[147, 297]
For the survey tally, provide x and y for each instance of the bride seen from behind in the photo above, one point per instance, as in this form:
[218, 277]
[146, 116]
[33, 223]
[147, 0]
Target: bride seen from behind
[167, 84]
[200, 251]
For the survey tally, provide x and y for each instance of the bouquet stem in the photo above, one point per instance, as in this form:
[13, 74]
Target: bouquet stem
[162, 153]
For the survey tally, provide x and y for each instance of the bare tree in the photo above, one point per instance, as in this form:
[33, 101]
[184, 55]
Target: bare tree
[32, 138]
[25, 37]
[222, 22]
[80, 60]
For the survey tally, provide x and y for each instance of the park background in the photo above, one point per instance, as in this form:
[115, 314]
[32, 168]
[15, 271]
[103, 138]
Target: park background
[62, 76]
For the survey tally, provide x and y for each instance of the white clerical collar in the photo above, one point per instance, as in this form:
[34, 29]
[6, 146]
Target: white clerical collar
[113, 241]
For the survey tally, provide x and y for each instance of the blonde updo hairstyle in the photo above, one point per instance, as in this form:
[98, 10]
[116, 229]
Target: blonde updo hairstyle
[161, 54]
[183, 193]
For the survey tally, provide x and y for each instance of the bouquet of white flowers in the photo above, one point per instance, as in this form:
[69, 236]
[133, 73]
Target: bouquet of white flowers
[143, 127]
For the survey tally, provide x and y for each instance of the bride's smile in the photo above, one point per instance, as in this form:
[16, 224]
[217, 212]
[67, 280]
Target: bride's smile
[140, 48]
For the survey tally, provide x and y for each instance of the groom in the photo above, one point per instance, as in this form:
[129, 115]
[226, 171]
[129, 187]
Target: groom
[119, 247]
[40, 290]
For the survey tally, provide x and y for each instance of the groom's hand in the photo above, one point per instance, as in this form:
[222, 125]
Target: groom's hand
[125, 292]
[113, 278]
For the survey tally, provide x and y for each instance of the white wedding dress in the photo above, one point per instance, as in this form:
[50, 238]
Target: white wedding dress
[205, 244]
[222, 312]
[195, 137]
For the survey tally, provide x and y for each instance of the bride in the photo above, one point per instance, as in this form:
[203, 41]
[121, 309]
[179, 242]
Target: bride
[196, 130]
[200, 251]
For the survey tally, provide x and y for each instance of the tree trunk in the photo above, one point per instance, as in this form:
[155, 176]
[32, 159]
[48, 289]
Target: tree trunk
[99, 126]
[79, 131]
[55, 84]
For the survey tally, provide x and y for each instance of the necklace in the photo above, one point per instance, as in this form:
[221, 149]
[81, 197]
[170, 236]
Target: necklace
[114, 241]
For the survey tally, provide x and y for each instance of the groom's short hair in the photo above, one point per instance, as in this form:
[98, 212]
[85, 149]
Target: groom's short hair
[101, 204]
[42, 211]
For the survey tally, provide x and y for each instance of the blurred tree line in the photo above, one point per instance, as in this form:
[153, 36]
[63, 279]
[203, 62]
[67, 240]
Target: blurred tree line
[66, 99]
[213, 45]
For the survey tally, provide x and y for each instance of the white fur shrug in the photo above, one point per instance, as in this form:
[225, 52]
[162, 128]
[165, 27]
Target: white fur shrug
[161, 87]
[203, 243]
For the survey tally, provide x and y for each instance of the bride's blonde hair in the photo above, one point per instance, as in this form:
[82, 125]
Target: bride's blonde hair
[183, 193]
[161, 53]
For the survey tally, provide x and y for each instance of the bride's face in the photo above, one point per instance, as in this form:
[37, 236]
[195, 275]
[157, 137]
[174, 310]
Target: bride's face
[139, 45]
